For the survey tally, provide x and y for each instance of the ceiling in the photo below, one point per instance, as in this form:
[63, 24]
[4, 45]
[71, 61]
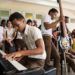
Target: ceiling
[66, 3]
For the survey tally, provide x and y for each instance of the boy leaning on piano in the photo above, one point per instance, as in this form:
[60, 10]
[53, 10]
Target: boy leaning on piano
[34, 56]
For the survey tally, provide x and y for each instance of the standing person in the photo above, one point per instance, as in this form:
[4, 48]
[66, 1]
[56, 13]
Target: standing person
[32, 36]
[51, 50]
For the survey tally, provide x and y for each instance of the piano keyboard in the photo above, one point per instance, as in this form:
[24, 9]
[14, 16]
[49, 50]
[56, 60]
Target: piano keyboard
[16, 64]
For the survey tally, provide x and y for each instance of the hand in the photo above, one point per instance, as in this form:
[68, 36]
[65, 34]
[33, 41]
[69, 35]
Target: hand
[72, 56]
[10, 42]
[61, 19]
[67, 53]
[12, 56]
[18, 59]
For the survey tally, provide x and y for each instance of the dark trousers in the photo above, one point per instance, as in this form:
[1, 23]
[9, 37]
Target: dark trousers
[52, 52]
[32, 63]
[70, 62]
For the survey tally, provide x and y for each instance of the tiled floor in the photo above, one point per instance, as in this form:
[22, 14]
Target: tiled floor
[65, 70]
[71, 73]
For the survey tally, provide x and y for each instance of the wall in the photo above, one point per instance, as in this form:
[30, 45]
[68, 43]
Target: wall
[22, 7]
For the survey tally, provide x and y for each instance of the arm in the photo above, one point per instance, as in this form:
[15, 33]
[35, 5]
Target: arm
[51, 25]
[38, 50]
[71, 53]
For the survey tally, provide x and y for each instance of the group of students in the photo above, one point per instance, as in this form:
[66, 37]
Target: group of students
[39, 47]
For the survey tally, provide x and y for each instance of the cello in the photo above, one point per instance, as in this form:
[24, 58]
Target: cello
[64, 39]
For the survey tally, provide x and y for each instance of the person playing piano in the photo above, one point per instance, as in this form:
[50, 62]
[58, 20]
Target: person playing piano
[35, 54]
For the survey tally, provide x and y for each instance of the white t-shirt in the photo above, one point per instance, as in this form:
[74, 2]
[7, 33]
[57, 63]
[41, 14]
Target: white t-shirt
[1, 33]
[10, 33]
[47, 31]
[30, 35]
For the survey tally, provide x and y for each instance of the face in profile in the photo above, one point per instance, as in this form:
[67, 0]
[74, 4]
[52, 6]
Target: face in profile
[9, 24]
[54, 15]
[19, 24]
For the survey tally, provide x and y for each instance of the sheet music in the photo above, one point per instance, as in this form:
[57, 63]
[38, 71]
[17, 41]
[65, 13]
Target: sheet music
[16, 64]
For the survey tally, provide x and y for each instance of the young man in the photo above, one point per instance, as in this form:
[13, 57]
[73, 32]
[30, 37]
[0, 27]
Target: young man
[49, 24]
[35, 53]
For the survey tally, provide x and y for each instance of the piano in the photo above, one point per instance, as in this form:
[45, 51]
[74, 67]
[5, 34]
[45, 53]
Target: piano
[12, 67]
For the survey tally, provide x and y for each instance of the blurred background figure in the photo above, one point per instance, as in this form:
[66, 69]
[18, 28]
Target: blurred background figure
[1, 36]
[35, 23]
[9, 36]
[73, 39]
[29, 22]
[3, 23]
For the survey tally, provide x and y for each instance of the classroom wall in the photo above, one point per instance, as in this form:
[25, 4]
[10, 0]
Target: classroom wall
[23, 7]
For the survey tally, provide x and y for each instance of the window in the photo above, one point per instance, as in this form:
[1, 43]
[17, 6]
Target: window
[28, 15]
[4, 13]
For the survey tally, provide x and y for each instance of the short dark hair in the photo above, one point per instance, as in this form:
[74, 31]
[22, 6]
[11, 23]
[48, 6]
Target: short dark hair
[2, 21]
[73, 34]
[29, 21]
[66, 17]
[15, 15]
[53, 10]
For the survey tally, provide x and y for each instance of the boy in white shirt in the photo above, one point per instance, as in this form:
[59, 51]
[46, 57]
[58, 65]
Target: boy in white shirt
[32, 36]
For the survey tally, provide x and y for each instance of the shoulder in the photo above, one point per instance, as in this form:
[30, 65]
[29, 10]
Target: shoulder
[48, 16]
[34, 29]
[1, 27]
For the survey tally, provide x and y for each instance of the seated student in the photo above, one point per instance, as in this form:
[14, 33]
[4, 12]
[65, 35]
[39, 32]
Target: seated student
[73, 39]
[8, 36]
[29, 22]
[35, 54]
[70, 56]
